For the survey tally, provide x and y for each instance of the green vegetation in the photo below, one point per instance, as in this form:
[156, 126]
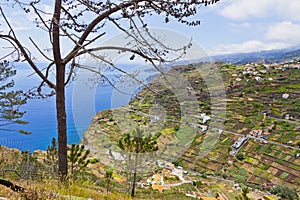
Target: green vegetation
[240, 156]
[240, 175]
[285, 192]
[260, 161]
[108, 178]
[244, 195]
[78, 159]
[10, 100]
[136, 143]
[52, 156]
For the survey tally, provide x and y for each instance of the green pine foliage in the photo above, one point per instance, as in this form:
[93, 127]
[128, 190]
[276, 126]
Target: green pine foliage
[108, 178]
[78, 158]
[135, 143]
[10, 100]
[52, 156]
[240, 157]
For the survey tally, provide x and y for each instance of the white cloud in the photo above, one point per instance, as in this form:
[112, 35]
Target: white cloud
[285, 31]
[247, 46]
[247, 9]
[243, 9]
[277, 36]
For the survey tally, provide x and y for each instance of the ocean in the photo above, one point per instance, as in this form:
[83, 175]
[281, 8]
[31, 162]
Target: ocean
[84, 98]
[41, 113]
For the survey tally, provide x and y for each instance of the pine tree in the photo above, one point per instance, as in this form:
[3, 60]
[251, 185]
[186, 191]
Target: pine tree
[52, 155]
[108, 177]
[135, 143]
[10, 100]
[77, 157]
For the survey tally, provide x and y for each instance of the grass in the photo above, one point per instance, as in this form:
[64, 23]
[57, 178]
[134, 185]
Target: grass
[284, 175]
[271, 198]
[277, 153]
[265, 166]
[52, 190]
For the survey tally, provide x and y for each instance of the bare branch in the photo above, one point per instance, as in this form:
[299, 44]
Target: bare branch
[7, 55]
[37, 47]
[70, 16]
[71, 71]
[40, 17]
[93, 24]
[124, 49]
[121, 70]
[102, 76]
[23, 51]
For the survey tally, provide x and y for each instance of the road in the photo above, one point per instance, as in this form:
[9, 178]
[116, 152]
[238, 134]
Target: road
[263, 140]
[177, 184]
[297, 122]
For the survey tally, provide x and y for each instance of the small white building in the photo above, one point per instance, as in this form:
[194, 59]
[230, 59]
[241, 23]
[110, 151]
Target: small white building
[203, 127]
[296, 67]
[154, 119]
[258, 79]
[204, 117]
[285, 96]
[263, 71]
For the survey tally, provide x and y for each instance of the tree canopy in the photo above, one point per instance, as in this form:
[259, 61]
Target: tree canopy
[135, 143]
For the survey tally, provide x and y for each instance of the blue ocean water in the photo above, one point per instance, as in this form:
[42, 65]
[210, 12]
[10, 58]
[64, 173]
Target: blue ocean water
[41, 114]
[84, 98]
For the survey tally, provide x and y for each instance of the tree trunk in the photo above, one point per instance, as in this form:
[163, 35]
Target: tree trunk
[60, 93]
[134, 176]
[133, 183]
[61, 121]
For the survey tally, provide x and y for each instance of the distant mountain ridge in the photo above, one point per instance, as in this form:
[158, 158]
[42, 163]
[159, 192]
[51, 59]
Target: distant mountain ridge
[270, 56]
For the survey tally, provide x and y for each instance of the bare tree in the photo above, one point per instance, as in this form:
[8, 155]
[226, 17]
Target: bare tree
[83, 22]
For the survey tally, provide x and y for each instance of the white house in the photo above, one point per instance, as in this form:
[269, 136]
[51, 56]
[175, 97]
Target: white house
[285, 96]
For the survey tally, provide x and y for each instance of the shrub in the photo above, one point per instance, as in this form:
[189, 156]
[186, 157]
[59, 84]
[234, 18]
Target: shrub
[240, 156]
[285, 192]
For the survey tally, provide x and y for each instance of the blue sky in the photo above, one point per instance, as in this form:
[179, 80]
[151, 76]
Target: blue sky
[249, 25]
[229, 26]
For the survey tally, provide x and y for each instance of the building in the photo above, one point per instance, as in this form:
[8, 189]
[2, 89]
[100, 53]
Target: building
[256, 133]
[285, 96]
[237, 144]
[258, 79]
[158, 187]
[204, 117]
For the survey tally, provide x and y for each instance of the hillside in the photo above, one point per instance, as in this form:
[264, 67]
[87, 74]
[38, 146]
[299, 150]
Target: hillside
[255, 142]
[262, 109]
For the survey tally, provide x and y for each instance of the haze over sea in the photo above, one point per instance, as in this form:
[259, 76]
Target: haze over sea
[40, 113]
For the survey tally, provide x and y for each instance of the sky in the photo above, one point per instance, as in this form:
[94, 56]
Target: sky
[229, 26]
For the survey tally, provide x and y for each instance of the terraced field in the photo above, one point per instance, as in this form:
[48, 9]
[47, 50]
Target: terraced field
[258, 97]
